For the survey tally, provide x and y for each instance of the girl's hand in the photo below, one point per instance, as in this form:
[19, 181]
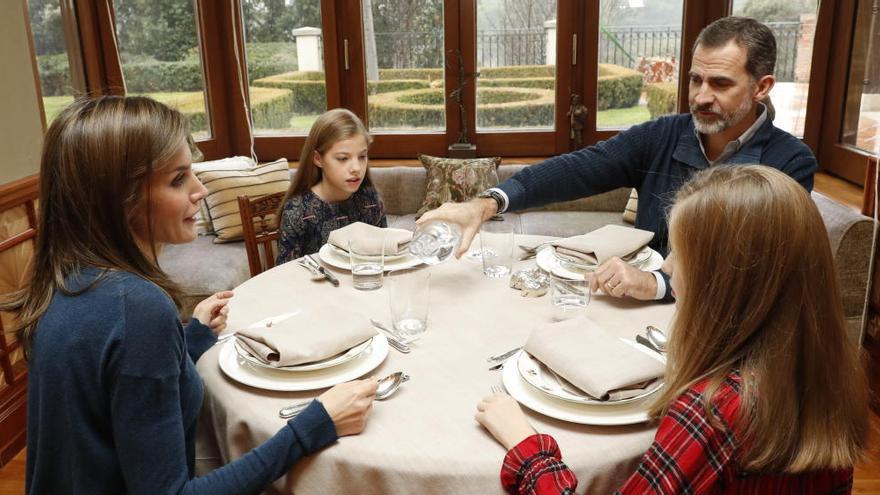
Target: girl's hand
[213, 310]
[502, 416]
[349, 404]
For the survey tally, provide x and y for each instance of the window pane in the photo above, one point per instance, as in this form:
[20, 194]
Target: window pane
[285, 59]
[861, 124]
[159, 48]
[516, 59]
[794, 24]
[403, 42]
[639, 53]
[51, 51]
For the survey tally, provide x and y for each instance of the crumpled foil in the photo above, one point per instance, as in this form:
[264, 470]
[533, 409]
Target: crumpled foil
[532, 282]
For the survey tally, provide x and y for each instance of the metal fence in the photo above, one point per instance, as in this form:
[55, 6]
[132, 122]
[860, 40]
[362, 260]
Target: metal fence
[617, 45]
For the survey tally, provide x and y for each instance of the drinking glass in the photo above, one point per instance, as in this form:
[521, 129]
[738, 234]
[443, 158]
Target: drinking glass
[367, 266]
[496, 248]
[408, 296]
[568, 297]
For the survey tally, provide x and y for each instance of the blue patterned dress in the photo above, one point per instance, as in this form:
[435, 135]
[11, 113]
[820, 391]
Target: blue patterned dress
[307, 220]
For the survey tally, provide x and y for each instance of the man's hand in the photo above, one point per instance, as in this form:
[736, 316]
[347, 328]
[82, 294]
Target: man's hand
[468, 216]
[502, 416]
[213, 311]
[619, 279]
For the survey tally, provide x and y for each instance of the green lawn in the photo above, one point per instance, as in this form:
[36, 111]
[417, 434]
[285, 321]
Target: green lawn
[622, 117]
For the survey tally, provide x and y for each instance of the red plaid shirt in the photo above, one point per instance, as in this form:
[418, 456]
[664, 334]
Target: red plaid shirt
[688, 455]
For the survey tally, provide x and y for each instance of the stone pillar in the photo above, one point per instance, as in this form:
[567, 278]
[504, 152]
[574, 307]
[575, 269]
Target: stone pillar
[308, 49]
[805, 48]
[550, 42]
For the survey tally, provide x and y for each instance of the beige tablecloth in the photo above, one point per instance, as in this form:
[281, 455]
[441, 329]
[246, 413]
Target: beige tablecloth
[424, 439]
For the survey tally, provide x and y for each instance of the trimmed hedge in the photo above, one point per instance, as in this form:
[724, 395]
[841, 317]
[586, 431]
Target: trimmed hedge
[308, 95]
[619, 87]
[155, 76]
[428, 74]
[518, 72]
[496, 107]
[661, 99]
[526, 82]
[271, 107]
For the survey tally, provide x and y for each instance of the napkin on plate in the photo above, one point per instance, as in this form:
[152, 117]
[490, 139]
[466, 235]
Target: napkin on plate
[317, 334]
[593, 359]
[602, 244]
[370, 238]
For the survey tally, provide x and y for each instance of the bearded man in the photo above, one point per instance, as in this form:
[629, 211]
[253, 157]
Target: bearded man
[731, 74]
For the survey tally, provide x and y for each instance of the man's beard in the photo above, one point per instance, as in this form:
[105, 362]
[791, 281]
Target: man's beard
[725, 121]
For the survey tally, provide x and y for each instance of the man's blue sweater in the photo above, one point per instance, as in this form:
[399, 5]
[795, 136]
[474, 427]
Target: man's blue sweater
[113, 398]
[656, 158]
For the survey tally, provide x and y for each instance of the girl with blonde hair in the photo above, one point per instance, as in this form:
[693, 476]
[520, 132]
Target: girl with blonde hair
[765, 392]
[113, 394]
[332, 186]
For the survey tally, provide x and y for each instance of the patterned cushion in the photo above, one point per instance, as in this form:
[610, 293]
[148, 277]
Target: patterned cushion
[203, 218]
[456, 180]
[632, 204]
[225, 186]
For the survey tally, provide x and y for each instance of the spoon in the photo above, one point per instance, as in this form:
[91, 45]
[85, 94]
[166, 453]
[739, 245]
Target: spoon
[387, 386]
[657, 337]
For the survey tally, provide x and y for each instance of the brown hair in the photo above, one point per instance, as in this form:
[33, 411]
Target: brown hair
[331, 127]
[97, 158]
[760, 296]
[756, 38]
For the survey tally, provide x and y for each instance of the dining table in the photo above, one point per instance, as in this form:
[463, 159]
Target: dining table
[424, 438]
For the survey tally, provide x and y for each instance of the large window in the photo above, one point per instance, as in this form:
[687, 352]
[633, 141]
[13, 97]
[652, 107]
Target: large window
[161, 58]
[794, 24]
[639, 54]
[861, 119]
[285, 64]
[403, 52]
[516, 59]
[53, 62]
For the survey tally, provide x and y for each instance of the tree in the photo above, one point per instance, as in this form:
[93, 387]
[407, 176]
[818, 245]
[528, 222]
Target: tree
[161, 29]
[46, 26]
[777, 11]
[275, 20]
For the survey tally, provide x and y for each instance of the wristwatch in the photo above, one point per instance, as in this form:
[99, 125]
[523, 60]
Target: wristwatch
[494, 194]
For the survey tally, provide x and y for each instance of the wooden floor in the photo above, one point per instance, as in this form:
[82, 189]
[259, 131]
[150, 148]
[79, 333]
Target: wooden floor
[867, 474]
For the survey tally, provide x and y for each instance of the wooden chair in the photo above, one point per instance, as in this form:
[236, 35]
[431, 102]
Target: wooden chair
[257, 223]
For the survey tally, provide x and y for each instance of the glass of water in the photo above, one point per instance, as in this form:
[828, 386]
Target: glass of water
[408, 297]
[568, 297]
[496, 248]
[367, 265]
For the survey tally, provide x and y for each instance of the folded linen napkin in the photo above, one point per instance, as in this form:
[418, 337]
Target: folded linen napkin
[593, 359]
[370, 238]
[602, 244]
[317, 334]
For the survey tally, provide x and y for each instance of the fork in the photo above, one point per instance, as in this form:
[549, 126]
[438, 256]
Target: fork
[496, 389]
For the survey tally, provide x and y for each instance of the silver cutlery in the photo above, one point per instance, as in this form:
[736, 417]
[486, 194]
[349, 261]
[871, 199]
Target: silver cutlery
[641, 339]
[393, 339]
[504, 355]
[496, 389]
[657, 337]
[387, 386]
[325, 272]
[316, 275]
[224, 338]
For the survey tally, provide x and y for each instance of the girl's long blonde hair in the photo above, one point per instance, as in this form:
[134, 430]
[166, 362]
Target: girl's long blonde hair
[97, 156]
[329, 128]
[761, 296]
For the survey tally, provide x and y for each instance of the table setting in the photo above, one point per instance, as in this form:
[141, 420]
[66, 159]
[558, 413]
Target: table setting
[423, 438]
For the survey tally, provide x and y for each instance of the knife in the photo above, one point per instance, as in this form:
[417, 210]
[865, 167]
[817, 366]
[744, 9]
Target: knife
[647, 343]
[326, 273]
[392, 339]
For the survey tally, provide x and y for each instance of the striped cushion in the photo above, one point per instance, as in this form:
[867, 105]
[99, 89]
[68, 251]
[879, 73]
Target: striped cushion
[203, 218]
[225, 186]
[629, 212]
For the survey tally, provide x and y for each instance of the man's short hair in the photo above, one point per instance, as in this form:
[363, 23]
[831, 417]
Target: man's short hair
[756, 38]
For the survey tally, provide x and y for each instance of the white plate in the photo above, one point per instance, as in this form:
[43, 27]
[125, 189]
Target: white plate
[545, 381]
[547, 260]
[336, 360]
[618, 414]
[388, 257]
[331, 257]
[637, 261]
[239, 370]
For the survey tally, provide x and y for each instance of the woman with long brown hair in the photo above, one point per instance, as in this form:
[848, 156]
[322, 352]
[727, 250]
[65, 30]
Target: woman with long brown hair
[113, 394]
[764, 392]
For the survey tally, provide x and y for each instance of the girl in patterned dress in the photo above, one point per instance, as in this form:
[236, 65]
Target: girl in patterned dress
[764, 390]
[332, 187]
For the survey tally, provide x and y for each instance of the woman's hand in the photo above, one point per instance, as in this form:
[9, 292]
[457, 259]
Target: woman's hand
[213, 311]
[349, 404]
[502, 416]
